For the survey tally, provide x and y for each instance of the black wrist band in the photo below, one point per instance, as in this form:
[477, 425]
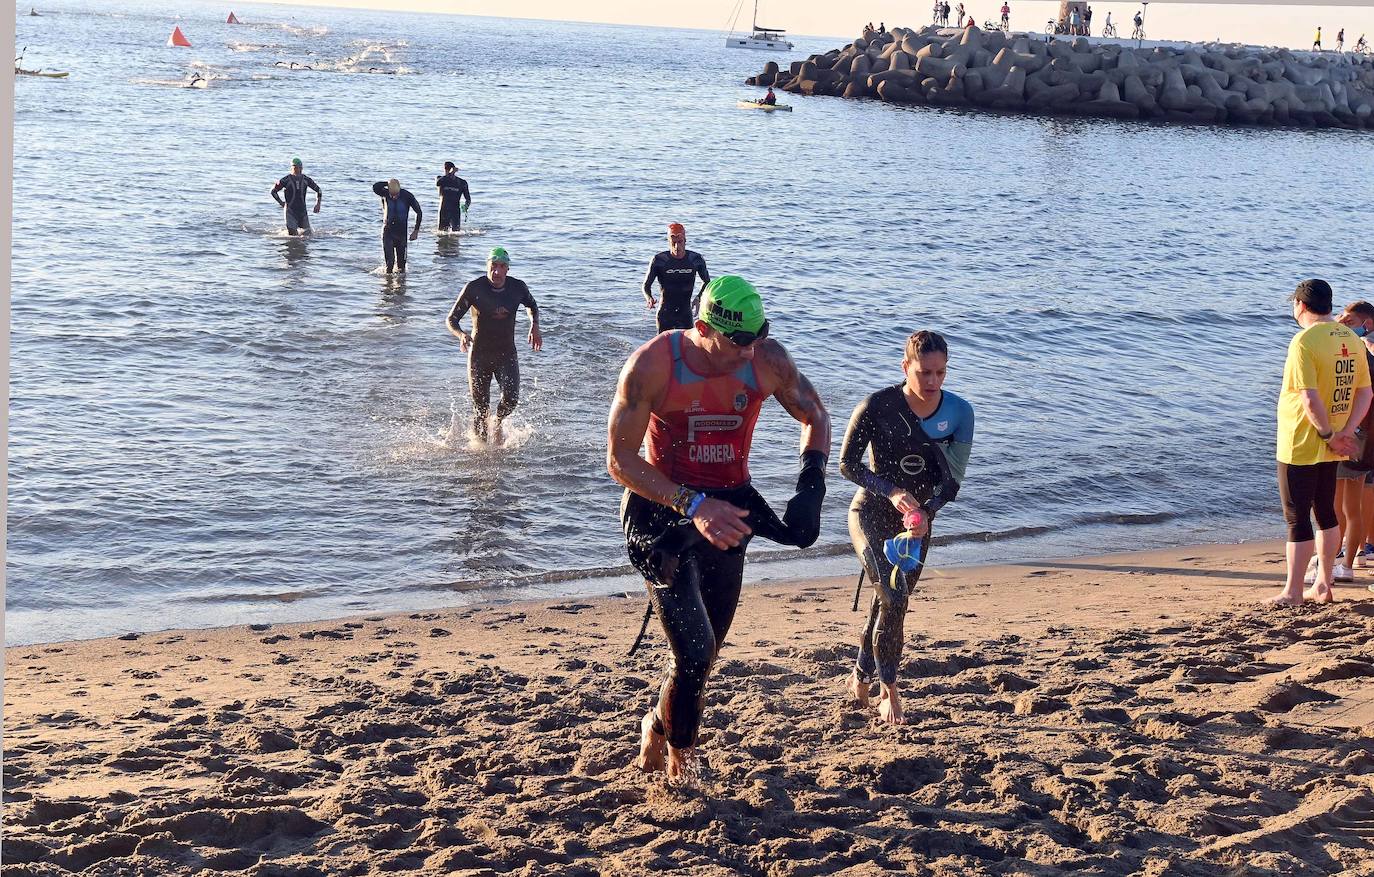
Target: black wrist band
[812, 458]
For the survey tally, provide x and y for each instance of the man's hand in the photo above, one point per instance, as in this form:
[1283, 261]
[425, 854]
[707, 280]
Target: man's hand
[317, 207]
[464, 340]
[650, 302]
[536, 339]
[721, 523]
[1344, 443]
[414, 234]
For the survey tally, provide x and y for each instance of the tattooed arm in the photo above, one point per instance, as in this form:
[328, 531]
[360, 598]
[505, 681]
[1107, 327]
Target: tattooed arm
[795, 393]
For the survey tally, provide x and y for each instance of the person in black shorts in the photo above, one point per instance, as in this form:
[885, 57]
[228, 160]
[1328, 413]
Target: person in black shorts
[921, 437]
[493, 299]
[676, 270]
[453, 189]
[396, 204]
[294, 185]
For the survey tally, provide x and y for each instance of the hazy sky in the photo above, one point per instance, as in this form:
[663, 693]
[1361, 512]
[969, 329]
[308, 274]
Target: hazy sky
[1288, 25]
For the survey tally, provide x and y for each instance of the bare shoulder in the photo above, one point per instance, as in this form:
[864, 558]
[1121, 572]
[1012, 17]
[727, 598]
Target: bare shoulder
[774, 364]
[645, 373]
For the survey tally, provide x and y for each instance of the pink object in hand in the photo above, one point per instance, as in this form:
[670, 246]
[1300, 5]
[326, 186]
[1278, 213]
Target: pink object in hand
[913, 519]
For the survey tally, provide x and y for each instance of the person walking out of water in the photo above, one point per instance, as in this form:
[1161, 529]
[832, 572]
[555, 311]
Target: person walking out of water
[920, 438]
[1325, 396]
[453, 189]
[493, 299]
[293, 185]
[396, 204]
[1317, 42]
[689, 509]
[676, 270]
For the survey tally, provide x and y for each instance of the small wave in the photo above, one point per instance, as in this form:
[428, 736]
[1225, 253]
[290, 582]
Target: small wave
[280, 597]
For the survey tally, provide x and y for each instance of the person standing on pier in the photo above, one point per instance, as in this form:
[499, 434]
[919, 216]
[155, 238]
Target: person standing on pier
[1340, 39]
[1317, 43]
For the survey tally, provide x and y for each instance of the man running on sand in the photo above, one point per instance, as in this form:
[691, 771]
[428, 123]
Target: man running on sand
[689, 509]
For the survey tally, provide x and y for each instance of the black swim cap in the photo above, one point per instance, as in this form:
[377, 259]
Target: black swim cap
[448, 166]
[1315, 294]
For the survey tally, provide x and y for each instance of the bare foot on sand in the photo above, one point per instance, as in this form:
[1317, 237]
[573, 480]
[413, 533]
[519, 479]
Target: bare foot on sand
[684, 767]
[651, 746]
[858, 689]
[1319, 593]
[890, 705]
[1284, 599]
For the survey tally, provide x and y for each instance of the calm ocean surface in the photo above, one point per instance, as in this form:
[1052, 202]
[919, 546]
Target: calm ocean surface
[213, 424]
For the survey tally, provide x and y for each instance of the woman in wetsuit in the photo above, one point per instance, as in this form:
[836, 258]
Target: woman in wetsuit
[921, 437]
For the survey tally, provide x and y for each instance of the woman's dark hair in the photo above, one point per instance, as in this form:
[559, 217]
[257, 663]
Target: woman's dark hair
[925, 341]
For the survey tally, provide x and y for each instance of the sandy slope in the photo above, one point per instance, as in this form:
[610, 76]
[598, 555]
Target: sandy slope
[1118, 715]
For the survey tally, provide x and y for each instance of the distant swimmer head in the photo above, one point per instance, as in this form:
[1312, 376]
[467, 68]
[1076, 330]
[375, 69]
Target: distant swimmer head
[450, 166]
[296, 163]
[1314, 295]
[393, 186]
[677, 239]
[732, 306]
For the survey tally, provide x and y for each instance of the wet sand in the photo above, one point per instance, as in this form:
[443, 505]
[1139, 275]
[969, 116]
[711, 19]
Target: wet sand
[1126, 714]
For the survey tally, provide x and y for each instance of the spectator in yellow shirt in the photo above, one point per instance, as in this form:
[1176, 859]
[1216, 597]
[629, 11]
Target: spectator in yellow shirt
[1325, 394]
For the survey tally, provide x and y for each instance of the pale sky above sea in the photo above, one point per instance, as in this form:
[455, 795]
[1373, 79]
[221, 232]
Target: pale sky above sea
[1292, 25]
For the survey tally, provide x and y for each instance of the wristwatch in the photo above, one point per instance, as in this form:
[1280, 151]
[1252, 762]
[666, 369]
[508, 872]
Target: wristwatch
[1327, 436]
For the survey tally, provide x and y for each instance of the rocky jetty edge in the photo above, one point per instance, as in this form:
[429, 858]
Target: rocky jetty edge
[1203, 83]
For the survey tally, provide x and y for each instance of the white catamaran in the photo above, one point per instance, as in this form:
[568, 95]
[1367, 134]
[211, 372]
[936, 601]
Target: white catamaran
[761, 38]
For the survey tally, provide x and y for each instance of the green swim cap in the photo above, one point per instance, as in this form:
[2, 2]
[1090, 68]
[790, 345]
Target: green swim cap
[498, 254]
[296, 162]
[731, 304]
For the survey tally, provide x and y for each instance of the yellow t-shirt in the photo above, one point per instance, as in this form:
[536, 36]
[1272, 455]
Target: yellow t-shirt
[1330, 359]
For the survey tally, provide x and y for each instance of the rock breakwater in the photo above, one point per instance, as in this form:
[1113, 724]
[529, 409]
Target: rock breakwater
[1210, 83]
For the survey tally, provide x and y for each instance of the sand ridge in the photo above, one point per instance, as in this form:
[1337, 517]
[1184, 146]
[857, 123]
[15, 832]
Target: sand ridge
[1136, 714]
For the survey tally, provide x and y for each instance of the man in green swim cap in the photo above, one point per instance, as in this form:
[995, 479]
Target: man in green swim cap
[493, 299]
[689, 508]
[295, 184]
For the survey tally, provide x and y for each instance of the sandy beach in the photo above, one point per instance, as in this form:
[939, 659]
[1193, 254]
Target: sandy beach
[1125, 714]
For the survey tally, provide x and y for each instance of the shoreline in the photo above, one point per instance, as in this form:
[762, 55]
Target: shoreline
[772, 564]
[1053, 707]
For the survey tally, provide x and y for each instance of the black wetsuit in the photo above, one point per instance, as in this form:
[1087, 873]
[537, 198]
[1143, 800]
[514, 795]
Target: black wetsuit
[695, 586]
[904, 456]
[395, 233]
[453, 189]
[677, 279]
[493, 352]
[293, 188]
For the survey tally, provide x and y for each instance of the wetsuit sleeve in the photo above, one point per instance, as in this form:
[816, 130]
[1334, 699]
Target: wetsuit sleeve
[856, 440]
[379, 189]
[650, 277]
[313, 185]
[415, 205]
[465, 191]
[705, 279]
[958, 451]
[460, 307]
[528, 301]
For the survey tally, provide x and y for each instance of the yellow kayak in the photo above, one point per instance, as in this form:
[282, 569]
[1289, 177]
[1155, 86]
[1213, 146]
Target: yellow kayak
[758, 105]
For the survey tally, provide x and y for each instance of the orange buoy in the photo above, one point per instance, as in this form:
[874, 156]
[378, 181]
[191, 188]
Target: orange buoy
[178, 38]
[232, 19]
